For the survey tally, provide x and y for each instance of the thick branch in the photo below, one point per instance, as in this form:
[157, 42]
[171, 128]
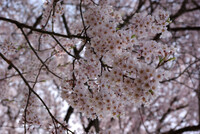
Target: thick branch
[185, 129]
[22, 25]
[69, 112]
[94, 123]
[195, 28]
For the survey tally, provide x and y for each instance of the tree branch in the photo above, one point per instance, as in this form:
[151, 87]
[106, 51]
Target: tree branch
[36, 53]
[66, 26]
[185, 129]
[69, 112]
[36, 23]
[94, 123]
[22, 25]
[29, 87]
[195, 28]
[129, 17]
[174, 78]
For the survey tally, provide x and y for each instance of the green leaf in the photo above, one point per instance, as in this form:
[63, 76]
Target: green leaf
[171, 59]
[117, 28]
[161, 59]
[133, 36]
[7, 100]
[19, 47]
[118, 116]
[72, 47]
[151, 91]
[168, 20]
[53, 52]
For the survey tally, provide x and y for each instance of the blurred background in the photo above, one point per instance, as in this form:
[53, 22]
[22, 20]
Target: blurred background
[176, 110]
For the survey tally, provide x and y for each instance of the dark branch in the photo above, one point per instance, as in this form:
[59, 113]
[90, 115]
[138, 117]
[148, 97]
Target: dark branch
[181, 73]
[36, 53]
[69, 112]
[29, 87]
[185, 129]
[180, 11]
[63, 47]
[129, 17]
[22, 25]
[65, 24]
[36, 23]
[183, 10]
[94, 123]
[189, 28]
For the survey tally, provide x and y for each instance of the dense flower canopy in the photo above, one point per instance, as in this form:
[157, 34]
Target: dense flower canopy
[118, 66]
[94, 57]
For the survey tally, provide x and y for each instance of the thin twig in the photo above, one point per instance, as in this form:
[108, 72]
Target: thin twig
[36, 53]
[29, 87]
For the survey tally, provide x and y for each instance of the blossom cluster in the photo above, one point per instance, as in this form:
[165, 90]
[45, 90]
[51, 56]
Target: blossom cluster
[30, 116]
[8, 48]
[52, 8]
[119, 66]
